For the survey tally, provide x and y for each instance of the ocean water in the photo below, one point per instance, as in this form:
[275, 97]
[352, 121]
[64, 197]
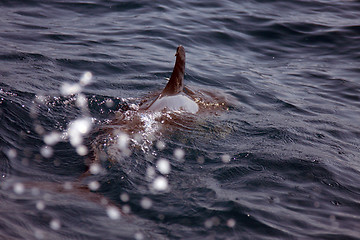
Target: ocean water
[280, 161]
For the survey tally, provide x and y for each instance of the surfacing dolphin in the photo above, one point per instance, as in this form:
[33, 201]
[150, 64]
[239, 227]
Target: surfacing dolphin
[173, 98]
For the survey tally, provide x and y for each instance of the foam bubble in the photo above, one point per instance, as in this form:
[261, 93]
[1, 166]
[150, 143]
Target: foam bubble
[113, 213]
[163, 166]
[160, 184]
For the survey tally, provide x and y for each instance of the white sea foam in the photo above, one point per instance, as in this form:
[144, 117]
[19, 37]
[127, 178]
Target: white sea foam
[175, 103]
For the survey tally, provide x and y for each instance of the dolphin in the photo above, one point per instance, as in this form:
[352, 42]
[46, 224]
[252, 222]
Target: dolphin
[173, 97]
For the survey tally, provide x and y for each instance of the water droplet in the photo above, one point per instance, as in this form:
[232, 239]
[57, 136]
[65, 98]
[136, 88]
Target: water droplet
[81, 150]
[126, 209]
[179, 154]
[77, 129]
[55, 224]
[95, 168]
[68, 186]
[11, 153]
[19, 188]
[150, 172]
[81, 101]
[109, 103]
[40, 205]
[39, 234]
[94, 185]
[52, 138]
[124, 197]
[35, 191]
[146, 203]
[225, 158]
[231, 223]
[70, 89]
[163, 166]
[123, 141]
[113, 213]
[46, 151]
[139, 236]
[160, 183]
[86, 78]
[160, 145]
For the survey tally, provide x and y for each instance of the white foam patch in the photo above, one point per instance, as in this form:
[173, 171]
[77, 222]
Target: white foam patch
[175, 103]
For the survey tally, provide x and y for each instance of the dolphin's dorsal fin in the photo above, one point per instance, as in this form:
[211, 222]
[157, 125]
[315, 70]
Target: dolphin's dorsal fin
[175, 84]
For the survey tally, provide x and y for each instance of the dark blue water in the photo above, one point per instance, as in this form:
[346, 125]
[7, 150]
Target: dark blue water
[282, 162]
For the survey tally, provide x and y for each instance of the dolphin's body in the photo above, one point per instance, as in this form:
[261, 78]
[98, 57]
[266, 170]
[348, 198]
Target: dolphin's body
[173, 97]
